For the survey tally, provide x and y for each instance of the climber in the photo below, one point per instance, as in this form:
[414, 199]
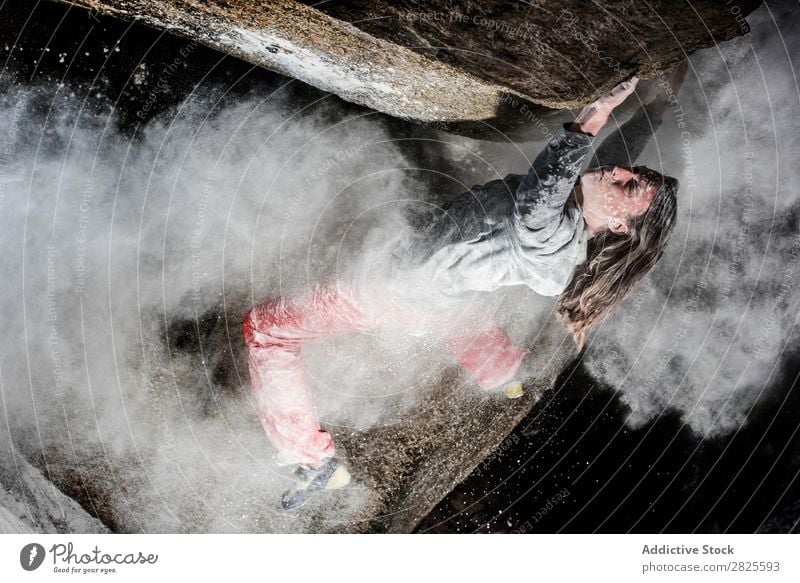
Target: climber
[589, 238]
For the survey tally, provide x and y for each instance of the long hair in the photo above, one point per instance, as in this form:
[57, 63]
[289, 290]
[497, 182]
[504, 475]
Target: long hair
[615, 264]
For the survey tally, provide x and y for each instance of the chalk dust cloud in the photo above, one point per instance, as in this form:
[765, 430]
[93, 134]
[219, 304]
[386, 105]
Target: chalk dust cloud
[130, 258]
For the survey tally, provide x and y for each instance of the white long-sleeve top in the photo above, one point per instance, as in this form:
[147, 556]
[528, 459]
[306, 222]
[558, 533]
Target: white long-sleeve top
[521, 230]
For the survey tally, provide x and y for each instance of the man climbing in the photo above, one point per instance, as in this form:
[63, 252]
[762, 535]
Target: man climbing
[587, 237]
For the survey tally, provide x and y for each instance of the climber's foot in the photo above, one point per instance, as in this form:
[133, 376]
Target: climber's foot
[330, 476]
[514, 390]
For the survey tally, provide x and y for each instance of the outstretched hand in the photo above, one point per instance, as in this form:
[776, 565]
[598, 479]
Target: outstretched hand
[594, 116]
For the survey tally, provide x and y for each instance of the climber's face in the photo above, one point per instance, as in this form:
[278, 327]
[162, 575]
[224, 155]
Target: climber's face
[611, 195]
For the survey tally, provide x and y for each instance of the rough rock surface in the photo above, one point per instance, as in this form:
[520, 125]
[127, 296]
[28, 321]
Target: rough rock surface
[480, 69]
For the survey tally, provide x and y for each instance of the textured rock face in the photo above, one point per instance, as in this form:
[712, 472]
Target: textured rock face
[558, 53]
[30, 504]
[473, 68]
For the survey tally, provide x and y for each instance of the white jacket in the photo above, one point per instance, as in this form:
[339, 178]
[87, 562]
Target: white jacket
[521, 230]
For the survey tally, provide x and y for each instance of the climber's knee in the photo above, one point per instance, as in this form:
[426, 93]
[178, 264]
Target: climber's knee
[267, 324]
[258, 323]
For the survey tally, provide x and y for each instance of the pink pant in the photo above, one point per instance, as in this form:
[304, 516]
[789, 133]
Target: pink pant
[276, 330]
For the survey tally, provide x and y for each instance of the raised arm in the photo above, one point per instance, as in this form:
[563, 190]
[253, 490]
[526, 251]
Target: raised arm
[542, 194]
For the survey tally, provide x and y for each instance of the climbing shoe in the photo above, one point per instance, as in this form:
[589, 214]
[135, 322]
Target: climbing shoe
[330, 476]
[514, 390]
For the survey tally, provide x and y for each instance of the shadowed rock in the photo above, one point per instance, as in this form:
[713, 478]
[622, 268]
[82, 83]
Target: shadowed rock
[479, 70]
[403, 464]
